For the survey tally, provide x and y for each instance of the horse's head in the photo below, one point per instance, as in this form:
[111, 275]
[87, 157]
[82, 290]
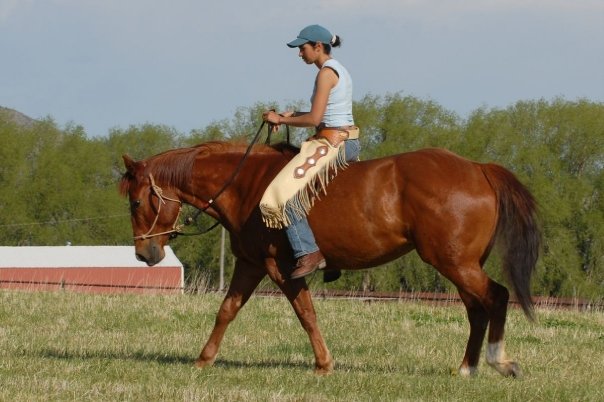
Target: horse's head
[154, 211]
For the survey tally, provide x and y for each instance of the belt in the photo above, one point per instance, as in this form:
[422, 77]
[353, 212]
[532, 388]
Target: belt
[335, 135]
[353, 131]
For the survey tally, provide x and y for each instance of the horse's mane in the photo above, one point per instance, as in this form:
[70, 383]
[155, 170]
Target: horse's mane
[175, 167]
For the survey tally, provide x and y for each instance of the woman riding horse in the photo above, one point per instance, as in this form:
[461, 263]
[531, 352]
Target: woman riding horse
[290, 196]
[452, 211]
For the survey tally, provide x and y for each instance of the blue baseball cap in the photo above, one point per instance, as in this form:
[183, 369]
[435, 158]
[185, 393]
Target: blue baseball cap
[312, 33]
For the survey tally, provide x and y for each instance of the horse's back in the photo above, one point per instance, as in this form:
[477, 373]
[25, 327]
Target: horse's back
[388, 206]
[436, 173]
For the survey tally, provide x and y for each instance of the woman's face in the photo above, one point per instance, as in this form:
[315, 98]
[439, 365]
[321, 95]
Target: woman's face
[309, 53]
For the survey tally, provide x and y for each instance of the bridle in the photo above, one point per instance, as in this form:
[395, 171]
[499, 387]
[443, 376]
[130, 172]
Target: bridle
[161, 200]
[176, 228]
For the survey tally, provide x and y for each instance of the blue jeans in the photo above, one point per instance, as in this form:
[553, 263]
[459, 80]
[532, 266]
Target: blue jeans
[298, 232]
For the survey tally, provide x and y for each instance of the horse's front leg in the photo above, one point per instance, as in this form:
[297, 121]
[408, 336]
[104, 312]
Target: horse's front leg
[246, 278]
[299, 296]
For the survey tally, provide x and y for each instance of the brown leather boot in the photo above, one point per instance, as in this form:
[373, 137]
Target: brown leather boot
[307, 264]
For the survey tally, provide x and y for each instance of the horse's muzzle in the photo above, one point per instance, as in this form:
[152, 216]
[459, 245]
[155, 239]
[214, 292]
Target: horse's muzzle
[150, 252]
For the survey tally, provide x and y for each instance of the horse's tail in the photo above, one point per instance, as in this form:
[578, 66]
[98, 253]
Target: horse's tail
[517, 233]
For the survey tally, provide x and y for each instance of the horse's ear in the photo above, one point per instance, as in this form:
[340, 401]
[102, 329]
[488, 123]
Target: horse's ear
[129, 163]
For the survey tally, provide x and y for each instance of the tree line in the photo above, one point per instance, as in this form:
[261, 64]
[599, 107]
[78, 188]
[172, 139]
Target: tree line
[58, 185]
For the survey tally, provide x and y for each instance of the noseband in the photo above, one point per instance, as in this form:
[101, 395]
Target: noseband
[161, 200]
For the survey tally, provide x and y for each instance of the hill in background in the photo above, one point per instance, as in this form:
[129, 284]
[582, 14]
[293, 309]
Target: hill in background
[18, 118]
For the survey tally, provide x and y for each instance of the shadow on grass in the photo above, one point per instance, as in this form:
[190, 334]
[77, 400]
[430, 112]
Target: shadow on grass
[103, 354]
[188, 360]
[276, 364]
[428, 371]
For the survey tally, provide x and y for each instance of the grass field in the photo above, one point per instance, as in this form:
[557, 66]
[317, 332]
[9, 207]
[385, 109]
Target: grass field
[67, 346]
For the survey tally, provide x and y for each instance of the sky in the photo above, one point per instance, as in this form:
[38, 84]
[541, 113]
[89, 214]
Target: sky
[106, 64]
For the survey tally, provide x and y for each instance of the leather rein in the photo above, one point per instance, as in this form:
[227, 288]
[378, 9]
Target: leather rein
[177, 228]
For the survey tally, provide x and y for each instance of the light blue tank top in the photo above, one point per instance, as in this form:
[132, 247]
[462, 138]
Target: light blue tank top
[339, 104]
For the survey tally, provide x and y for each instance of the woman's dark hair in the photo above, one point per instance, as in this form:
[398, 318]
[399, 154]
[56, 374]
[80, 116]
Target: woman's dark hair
[337, 43]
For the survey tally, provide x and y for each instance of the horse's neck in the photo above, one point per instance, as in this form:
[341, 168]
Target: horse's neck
[243, 190]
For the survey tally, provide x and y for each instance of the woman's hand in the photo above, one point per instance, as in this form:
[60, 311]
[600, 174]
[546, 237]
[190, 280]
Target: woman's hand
[275, 119]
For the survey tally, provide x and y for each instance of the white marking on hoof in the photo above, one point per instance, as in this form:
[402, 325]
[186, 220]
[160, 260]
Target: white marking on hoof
[468, 371]
[497, 359]
[495, 353]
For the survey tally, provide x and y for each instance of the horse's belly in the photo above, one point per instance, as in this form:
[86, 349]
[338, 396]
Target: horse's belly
[354, 242]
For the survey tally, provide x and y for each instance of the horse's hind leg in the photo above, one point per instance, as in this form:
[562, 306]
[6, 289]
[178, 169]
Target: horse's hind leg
[479, 320]
[496, 356]
[486, 302]
[245, 279]
[299, 296]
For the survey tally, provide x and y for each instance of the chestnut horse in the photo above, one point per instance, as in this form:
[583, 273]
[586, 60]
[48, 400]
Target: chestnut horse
[449, 209]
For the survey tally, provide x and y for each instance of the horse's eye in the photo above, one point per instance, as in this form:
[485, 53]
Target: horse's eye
[135, 204]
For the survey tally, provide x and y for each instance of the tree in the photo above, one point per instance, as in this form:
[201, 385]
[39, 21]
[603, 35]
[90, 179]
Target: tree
[59, 185]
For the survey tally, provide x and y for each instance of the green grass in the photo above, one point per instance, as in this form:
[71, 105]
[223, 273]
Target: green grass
[68, 346]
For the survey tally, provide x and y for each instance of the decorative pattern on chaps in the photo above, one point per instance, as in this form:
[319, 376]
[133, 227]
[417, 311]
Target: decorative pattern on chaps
[311, 161]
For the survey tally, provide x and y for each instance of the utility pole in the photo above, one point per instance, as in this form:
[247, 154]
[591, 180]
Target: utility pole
[222, 239]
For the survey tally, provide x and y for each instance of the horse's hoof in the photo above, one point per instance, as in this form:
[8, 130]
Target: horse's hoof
[330, 275]
[323, 371]
[327, 369]
[465, 372]
[514, 370]
[200, 363]
[508, 369]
